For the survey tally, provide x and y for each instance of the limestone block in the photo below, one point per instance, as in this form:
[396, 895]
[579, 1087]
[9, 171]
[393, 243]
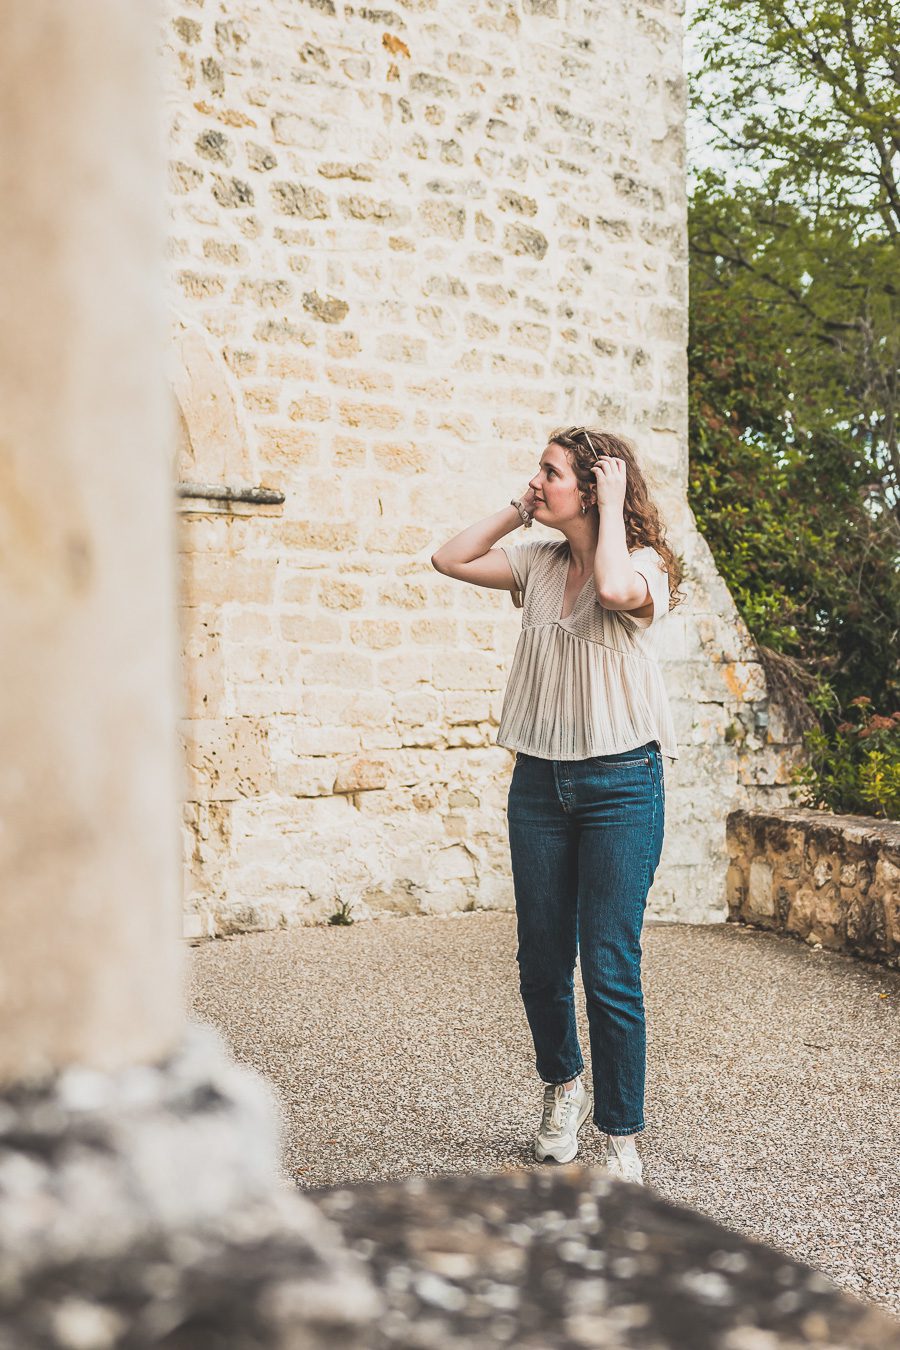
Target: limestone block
[887, 874]
[398, 897]
[226, 757]
[222, 578]
[310, 739]
[759, 763]
[468, 706]
[386, 539]
[405, 671]
[349, 670]
[361, 774]
[468, 736]
[203, 672]
[782, 726]
[247, 625]
[760, 901]
[372, 708]
[255, 661]
[330, 593]
[313, 628]
[467, 670]
[305, 776]
[439, 632]
[823, 872]
[801, 914]
[864, 923]
[267, 700]
[376, 634]
[214, 448]
[698, 681]
[495, 891]
[735, 889]
[198, 924]
[167, 1165]
[420, 708]
[228, 534]
[887, 883]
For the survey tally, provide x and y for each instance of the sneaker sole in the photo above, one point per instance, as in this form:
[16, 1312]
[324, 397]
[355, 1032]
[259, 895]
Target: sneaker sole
[633, 1181]
[542, 1153]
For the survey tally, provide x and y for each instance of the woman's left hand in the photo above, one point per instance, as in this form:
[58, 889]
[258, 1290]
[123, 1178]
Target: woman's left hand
[611, 477]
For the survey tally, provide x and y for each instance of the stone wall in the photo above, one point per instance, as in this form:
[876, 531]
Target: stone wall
[405, 243]
[832, 880]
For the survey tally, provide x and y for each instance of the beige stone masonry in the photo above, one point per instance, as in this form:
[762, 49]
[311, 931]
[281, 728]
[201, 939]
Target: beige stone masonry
[832, 880]
[404, 243]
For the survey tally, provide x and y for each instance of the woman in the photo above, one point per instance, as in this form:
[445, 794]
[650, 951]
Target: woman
[587, 713]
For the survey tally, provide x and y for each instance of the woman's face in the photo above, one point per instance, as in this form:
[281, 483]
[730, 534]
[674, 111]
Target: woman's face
[556, 489]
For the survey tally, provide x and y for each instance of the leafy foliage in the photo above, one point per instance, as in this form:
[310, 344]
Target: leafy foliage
[859, 763]
[794, 356]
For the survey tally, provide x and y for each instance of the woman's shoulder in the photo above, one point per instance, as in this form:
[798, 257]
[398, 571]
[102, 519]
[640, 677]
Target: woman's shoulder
[649, 561]
[541, 545]
[646, 550]
[529, 552]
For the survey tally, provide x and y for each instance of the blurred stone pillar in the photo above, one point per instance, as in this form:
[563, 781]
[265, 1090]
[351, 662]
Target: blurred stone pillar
[139, 1187]
[89, 771]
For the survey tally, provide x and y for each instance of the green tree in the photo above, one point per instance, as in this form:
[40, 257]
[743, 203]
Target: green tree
[795, 276]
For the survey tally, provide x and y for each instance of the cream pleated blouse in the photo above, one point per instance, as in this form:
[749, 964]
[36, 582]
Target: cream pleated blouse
[589, 684]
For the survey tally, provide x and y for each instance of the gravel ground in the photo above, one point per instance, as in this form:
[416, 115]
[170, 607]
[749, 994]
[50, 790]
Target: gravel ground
[400, 1046]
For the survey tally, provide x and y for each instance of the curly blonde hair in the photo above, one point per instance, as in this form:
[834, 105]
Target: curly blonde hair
[643, 524]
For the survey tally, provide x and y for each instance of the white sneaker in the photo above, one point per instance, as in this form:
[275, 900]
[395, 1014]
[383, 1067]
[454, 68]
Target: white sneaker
[564, 1114]
[622, 1159]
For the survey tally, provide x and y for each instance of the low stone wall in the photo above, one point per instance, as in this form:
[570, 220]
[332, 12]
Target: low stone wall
[829, 879]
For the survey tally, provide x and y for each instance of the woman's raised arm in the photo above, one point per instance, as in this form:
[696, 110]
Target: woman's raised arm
[470, 555]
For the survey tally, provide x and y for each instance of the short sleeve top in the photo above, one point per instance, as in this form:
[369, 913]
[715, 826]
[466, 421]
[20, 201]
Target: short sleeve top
[591, 683]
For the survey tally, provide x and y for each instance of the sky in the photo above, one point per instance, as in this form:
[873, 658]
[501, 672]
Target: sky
[699, 153]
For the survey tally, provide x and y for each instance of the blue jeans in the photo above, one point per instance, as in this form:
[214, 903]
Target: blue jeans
[585, 839]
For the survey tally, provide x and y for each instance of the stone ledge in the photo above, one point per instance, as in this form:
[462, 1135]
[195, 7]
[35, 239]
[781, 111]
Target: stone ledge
[832, 880]
[145, 1207]
[571, 1257]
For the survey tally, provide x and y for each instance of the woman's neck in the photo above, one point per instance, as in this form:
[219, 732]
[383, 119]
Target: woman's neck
[582, 537]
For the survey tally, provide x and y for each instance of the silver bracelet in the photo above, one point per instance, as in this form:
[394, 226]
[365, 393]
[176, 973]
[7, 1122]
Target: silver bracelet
[526, 518]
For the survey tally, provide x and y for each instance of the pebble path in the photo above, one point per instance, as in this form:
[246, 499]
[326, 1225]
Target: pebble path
[399, 1046]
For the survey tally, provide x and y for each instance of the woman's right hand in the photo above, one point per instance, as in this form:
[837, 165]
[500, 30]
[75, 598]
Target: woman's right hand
[528, 500]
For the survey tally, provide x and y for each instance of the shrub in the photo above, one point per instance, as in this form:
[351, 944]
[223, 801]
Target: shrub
[855, 769]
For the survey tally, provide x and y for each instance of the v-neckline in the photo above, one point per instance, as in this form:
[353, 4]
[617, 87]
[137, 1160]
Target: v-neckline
[560, 617]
